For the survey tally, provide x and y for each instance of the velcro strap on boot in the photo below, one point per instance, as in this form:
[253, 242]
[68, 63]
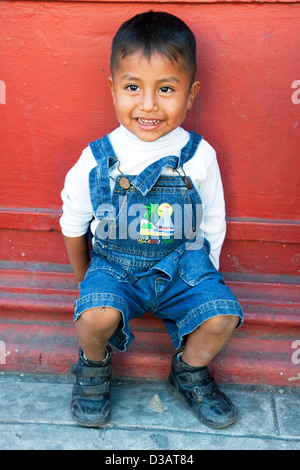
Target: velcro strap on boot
[87, 390]
[89, 371]
[207, 389]
[197, 376]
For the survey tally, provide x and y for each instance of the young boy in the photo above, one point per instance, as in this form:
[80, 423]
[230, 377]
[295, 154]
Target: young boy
[151, 196]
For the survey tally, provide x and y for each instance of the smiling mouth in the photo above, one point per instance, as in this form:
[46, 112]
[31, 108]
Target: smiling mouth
[148, 122]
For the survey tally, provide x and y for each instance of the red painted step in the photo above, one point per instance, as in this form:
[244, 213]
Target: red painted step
[36, 328]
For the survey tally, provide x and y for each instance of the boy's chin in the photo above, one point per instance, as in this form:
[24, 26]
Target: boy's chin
[146, 134]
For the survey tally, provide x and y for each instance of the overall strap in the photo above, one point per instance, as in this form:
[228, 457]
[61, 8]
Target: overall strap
[189, 150]
[146, 180]
[99, 180]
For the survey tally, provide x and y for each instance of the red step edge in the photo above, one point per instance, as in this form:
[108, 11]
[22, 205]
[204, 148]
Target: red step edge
[38, 335]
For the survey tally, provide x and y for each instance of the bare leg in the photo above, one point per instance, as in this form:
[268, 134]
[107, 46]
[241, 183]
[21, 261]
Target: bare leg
[94, 329]
[208, 339]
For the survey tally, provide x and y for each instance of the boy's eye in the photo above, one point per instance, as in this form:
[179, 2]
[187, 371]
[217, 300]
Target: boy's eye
[166, 89]
[132, 87]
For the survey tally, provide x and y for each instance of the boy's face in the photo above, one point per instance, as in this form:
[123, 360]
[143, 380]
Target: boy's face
[151, 97]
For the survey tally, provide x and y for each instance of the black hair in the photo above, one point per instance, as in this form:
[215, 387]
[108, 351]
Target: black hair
[153, 32]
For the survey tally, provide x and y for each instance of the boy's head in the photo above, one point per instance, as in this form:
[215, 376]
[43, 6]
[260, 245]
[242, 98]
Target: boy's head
[156, 32]
[153, 64]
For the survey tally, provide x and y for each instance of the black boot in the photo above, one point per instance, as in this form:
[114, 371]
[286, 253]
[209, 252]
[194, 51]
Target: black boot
[196, 387]
[90, 404]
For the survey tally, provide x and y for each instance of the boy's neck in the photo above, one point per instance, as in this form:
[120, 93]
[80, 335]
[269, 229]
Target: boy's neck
[161, 141]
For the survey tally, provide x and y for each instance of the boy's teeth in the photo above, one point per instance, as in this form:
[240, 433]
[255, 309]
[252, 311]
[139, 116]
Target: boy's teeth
[148, 122]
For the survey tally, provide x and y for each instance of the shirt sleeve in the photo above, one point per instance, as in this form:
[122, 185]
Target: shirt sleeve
[210, 188]
[77, 208]
[214, 223]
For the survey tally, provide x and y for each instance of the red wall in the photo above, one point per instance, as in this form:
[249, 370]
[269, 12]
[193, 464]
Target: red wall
[54, 60]
[54, 100]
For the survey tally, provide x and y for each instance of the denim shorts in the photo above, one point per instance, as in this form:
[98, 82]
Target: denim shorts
[170, 291]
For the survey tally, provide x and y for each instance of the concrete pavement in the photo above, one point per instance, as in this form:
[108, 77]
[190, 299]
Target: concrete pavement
[35, 415]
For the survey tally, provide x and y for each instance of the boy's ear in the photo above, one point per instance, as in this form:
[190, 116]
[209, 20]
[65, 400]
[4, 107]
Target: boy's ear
[193, 93]
[111, 86]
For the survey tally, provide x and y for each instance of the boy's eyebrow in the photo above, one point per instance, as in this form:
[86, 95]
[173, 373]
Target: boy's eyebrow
[128, 77]
[166, 79]
[169, 79]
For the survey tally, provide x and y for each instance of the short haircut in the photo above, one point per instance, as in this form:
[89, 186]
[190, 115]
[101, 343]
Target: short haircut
[155, 32]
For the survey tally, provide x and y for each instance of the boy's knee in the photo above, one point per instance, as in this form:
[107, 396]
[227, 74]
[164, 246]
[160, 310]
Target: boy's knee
[100, 317]
[222, 324]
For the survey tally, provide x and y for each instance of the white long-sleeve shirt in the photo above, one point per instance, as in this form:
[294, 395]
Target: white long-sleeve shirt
[134, 156]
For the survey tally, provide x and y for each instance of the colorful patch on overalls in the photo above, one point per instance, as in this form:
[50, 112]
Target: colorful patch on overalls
[157, 220]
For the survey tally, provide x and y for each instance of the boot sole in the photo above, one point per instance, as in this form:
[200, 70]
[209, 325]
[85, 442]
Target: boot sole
[89, 423]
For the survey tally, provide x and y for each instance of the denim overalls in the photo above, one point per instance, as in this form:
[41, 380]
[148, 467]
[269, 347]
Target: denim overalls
[147, 253]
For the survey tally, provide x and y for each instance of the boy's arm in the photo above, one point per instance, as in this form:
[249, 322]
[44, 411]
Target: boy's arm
[78, 253]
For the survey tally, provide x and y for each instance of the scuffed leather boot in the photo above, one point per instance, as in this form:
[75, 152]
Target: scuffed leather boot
[90, 404]
[196, 387]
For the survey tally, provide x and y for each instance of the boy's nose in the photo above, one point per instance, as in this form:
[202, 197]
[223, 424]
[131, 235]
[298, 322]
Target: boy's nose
[148, 102]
